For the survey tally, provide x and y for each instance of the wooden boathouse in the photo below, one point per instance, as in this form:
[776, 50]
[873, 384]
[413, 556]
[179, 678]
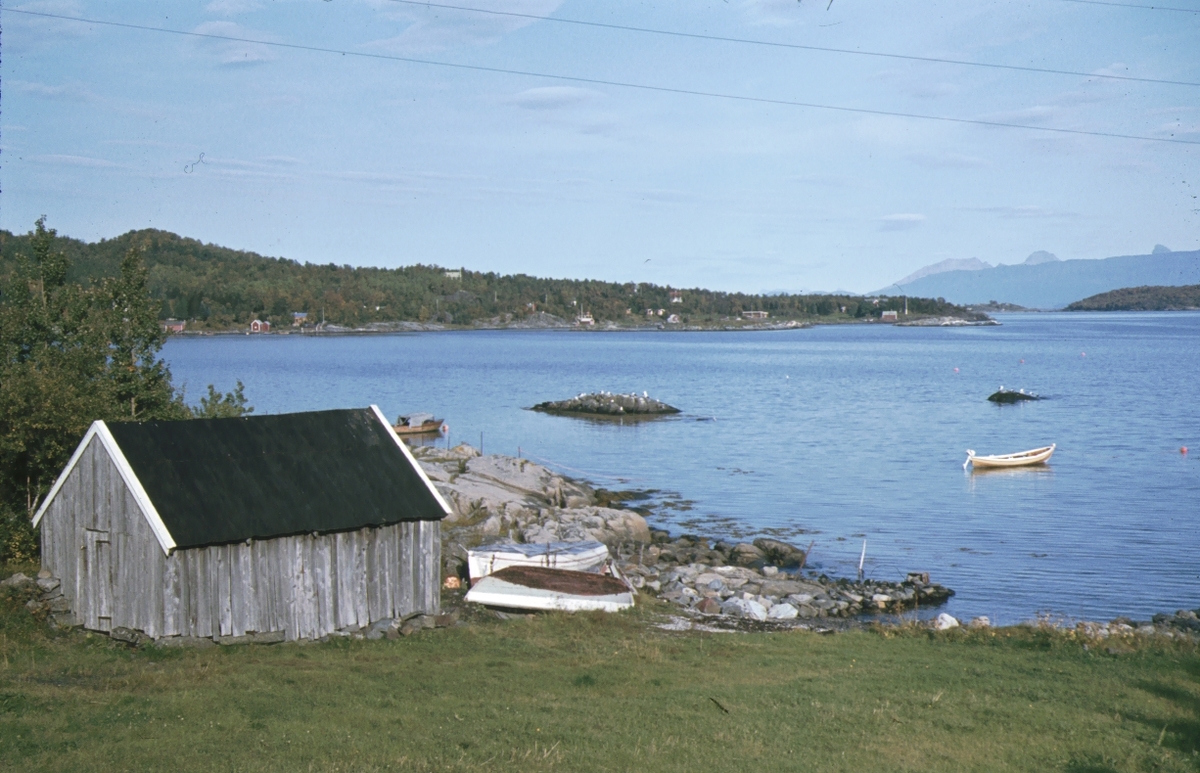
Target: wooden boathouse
[296, 524]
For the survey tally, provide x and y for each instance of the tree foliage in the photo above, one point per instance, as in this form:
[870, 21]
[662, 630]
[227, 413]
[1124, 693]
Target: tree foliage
[1142, 299]
[71, 354]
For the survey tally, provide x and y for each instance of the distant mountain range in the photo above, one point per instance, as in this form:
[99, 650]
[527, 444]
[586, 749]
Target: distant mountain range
[1045, 282]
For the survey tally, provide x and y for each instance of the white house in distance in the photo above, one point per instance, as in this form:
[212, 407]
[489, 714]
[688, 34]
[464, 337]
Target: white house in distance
[291, 526]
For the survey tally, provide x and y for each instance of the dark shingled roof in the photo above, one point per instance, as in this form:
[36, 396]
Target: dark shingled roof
[216, 481]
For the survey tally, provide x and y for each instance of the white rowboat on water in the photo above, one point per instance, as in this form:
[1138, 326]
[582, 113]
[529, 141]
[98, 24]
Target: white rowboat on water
[1022, 459]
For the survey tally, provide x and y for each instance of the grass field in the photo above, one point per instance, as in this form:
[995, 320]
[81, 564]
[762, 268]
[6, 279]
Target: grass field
[599, 692]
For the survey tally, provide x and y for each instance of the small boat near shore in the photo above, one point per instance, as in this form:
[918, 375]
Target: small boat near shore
[1021, 459]
[542, 588]
[575, 556]
[417, 424]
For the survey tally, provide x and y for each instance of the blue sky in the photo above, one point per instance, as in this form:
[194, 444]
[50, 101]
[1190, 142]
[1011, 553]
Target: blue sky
[368, 157]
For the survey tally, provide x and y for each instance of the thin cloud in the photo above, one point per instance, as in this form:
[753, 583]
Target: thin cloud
[902, 221]
[553, 97]
[439, 29]
[62, 159]
[233, 53]
[66, 92]
[1024, 212]
[232, 7]
[933, 160]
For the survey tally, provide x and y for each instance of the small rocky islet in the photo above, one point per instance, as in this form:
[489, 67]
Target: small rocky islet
[1008, 396]
[607, 404]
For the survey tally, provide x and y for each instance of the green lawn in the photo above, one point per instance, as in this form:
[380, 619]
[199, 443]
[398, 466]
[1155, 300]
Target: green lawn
[599, 692]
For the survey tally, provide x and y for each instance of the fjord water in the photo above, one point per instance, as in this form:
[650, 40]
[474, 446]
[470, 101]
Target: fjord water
[832, 434]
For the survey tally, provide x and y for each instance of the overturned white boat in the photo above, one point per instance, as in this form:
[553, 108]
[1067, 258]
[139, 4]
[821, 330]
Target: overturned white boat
[577, 556]
[543, 588]
[1021, 459]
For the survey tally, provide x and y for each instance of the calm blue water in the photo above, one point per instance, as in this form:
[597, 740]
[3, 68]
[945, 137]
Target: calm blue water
[845, 433]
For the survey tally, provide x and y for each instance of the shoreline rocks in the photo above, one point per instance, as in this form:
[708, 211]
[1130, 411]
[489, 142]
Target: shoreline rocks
[498, 497]
[607, 404]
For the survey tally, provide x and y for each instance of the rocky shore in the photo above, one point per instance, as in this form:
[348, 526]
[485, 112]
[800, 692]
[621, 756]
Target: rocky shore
[499, 497]
[712, 584]
[608, 404]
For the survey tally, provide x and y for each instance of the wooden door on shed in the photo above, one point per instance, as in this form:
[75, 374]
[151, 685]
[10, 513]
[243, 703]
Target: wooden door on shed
[94, 578]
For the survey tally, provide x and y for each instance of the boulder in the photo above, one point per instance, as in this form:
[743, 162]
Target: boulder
[185, 642]
[746, 554]
[945, 622]
[604, 524]
[48, 584]
[379, 628]
[780, 553]
[746, 608]
[782, 612]
[129, 636]
[19, 582]
[709, 607]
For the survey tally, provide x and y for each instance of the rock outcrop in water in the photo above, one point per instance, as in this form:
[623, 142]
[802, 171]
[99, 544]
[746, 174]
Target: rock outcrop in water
[608, 404]
[1004, 396]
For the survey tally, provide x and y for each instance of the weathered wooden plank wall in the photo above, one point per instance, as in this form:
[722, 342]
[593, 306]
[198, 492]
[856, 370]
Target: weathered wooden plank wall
[96, 541]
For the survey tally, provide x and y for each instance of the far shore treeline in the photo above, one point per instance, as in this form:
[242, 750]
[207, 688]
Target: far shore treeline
[217, 288]
[1142, 299]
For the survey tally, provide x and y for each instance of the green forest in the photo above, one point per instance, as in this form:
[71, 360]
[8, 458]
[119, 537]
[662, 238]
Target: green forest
[217, 288]
[1142, 299]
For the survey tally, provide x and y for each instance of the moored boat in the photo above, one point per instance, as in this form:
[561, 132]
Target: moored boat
[1021, 459]
[543, 588]
[576, 556]
[417, 424]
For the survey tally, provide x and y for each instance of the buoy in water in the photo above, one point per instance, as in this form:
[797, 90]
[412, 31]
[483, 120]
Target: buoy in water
[1183, 450]
[956, 370]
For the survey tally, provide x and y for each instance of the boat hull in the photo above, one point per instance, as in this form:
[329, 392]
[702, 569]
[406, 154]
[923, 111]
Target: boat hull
[428, 428]
[544, 589]
[1022, 459]
[575, 556]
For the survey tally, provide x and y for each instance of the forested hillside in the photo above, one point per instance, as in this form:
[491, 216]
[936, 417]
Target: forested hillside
[1142, 299]
[217, 288]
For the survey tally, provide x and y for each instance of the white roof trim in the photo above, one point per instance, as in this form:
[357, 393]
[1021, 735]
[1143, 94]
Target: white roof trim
[412, 460]
[100, 429]
[62, 477]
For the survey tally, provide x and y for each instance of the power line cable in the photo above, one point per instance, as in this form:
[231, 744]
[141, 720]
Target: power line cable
[617, 84]
[794, 46]
[1133, 5]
